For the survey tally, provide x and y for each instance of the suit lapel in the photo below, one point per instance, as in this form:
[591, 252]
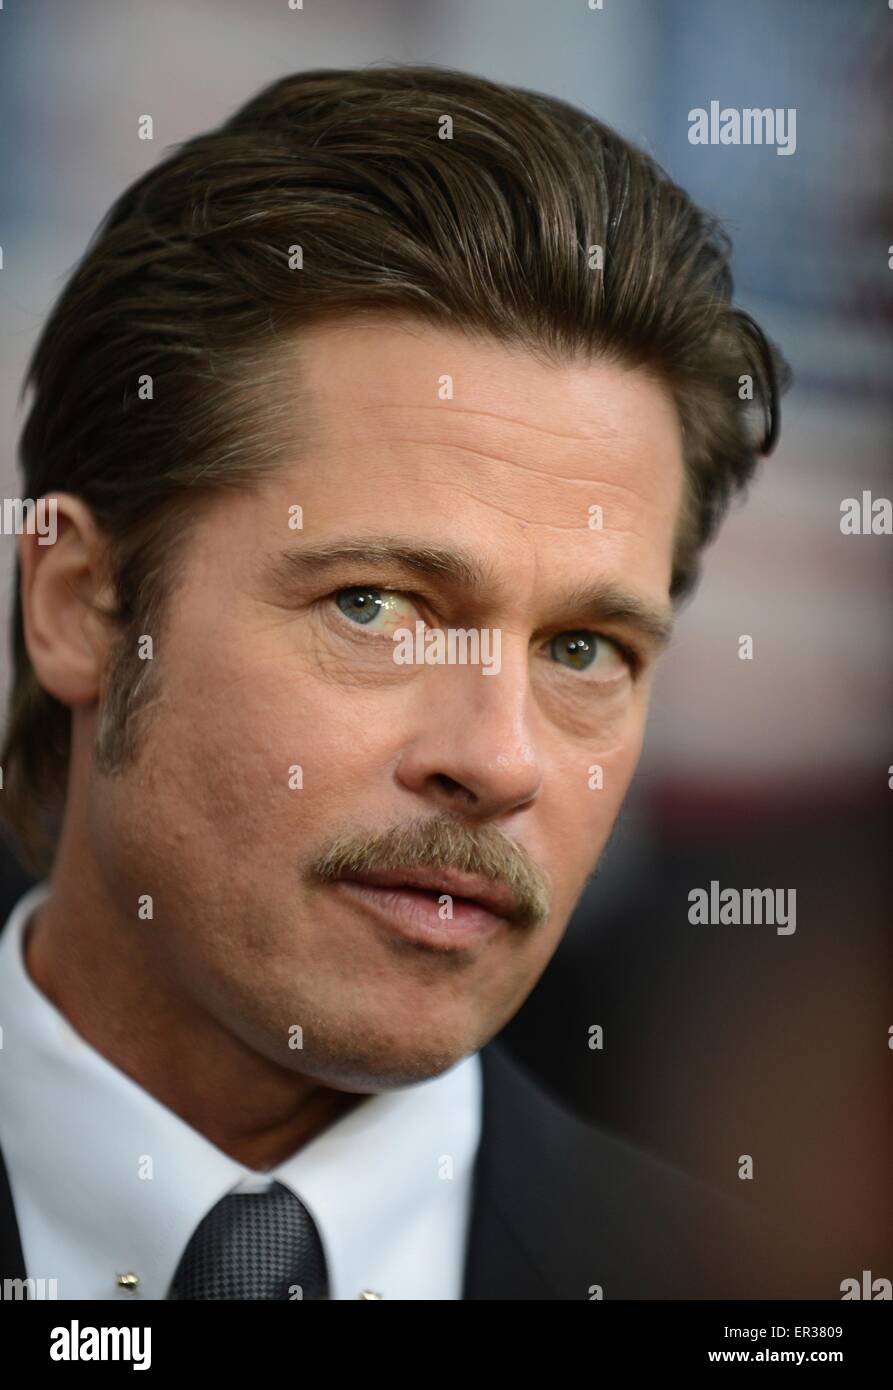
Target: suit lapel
[508, 1250]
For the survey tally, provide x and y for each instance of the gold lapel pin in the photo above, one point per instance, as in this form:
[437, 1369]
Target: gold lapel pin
[368, 1293]
[127, 1281]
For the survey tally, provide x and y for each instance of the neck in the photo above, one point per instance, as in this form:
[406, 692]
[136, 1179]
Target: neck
[115, 994]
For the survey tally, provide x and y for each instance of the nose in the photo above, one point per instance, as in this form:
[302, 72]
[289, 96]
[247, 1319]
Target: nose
[471, 750]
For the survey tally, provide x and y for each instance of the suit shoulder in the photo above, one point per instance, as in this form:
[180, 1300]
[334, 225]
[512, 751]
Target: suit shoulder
[597, 1210]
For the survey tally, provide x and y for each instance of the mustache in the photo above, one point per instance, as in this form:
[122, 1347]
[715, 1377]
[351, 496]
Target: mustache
[440, 842]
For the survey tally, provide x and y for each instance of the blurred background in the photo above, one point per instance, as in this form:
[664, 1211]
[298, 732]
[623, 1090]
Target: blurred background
[718, 1041]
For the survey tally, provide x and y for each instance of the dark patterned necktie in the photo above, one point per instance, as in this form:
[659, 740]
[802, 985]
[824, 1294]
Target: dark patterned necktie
[254, 1245]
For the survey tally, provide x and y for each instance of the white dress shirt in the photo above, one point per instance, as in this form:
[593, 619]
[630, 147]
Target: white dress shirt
[107, 1181]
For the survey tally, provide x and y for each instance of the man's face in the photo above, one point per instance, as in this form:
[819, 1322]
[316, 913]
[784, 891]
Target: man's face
[268, 664]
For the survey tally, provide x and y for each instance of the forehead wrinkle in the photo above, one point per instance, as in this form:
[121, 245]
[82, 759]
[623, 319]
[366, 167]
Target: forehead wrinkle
[495, 458]
[458, 489]
[546, 475]
[448, 409]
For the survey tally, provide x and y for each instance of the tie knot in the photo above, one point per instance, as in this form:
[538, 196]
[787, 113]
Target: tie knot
[254, 1245]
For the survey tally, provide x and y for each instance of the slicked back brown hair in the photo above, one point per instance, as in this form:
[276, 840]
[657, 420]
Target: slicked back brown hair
[189, 280]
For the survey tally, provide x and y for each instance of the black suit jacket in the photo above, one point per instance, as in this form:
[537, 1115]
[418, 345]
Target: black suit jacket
[561, 1209]
[564, 1210]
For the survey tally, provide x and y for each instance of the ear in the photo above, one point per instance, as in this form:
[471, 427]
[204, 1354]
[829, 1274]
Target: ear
[63, 583]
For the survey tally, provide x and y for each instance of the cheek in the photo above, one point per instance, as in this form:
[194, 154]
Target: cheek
[595, 772]
[262, 754]
[588, 792]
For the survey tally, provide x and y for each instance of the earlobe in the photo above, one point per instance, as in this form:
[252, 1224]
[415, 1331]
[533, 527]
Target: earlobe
[62, 590]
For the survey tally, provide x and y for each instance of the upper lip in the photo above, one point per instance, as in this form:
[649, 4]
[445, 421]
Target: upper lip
[497, 898]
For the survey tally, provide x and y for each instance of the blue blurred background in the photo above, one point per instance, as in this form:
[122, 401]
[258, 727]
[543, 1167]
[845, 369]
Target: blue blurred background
[770, 773]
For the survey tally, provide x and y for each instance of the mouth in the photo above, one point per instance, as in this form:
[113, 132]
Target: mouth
[440, 908]
[496, 898]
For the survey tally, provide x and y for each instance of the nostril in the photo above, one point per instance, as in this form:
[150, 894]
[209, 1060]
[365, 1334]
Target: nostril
[452, 787]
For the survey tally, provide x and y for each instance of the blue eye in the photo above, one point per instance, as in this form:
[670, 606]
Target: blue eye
[360, 605]
[383, 611]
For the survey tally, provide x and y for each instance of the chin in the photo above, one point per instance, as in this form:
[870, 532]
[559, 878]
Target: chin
[383, 1064]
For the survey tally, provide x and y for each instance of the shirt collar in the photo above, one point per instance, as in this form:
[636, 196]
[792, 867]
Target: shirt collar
[94, 1156]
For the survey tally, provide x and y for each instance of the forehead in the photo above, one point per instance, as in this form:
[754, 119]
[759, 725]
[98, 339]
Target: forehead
[418, 429]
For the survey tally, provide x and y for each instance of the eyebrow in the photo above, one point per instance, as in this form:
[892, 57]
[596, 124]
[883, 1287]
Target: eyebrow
[600, 601]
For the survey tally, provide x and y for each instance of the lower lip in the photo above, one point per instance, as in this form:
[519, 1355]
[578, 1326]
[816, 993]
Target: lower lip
[415, 915]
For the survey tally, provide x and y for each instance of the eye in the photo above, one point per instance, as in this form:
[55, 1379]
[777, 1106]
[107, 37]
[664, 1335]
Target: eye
[589, 652]
[382, 610]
